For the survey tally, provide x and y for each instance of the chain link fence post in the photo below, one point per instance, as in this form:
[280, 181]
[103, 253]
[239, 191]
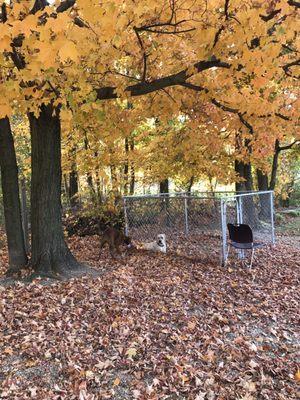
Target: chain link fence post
[125, 217]
[272, 217]
[186, 216]
[224, 232]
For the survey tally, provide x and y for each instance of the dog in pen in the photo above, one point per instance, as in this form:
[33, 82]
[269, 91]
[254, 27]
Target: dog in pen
[159, 245]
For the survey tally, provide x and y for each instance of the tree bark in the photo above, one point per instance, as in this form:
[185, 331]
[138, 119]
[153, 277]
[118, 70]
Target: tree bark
[190, 185]
[250, 216]
[50, 254]
[262, 180]
[126, 167]
[164, 186]
[25, 221]
[73, 180]
[11, 199]
[248, 177]
[274, 166]
[132, 170]
[264, 199]
[239, 169]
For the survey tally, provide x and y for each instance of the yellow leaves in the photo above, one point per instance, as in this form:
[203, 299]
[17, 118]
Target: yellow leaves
[116, 382]
[192, 325]
[192, 70]
[8, 350]
[68, 52]
[206, 37]
[297, 376]
[5, 110]
[131, 352]
[5, 43]
[59, 24]
[46, 54]
[89, 374]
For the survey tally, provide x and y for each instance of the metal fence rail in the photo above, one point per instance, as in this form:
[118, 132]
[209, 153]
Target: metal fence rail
[197, 223]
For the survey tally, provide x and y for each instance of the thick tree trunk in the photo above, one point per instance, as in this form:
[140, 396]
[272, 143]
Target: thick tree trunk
[11, 200]
[50, 254]
[249, 212]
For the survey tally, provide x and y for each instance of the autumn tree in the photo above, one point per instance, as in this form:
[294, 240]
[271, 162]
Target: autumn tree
[241, 57]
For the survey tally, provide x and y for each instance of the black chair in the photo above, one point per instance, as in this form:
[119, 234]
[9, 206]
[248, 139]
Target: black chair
[241, 238]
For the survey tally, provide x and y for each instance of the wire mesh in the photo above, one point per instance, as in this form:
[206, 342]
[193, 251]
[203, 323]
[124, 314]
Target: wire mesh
[193, 224]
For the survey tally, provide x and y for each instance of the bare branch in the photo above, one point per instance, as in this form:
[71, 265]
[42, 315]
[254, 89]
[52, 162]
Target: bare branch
[270, 16]
[294, 3]
[288, 146]
[65, 5]
[38, 5]
[144, 75]
[177, 79]
[289, 65]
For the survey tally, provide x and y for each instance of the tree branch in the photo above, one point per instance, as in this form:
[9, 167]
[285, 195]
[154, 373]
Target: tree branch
[288, 146]
[289, 65]
[294, 3]
[270, 16]
[139, 89]
[65, 5]
[221, 29]
[38, 5]
[144, 75]
[3, 13]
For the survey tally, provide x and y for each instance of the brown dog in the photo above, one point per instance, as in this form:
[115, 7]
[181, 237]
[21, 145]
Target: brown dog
[114, 238]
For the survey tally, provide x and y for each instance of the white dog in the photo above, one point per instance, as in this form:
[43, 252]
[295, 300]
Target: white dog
[158, 245]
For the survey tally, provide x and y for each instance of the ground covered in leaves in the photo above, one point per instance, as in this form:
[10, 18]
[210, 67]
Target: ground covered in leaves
[154, 327]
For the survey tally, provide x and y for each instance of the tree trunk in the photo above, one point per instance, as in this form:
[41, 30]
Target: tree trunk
[126, 168]
[50, 254]
[73, 180]
[264, 199]
[11, 199]
[239, 169]
[90, 183]
[25, 221]
[249, 212]
[164, 186]
[274, 166]
[190, 185]
[99, 187]
[262, 180]
[132, 170]
[165, 203]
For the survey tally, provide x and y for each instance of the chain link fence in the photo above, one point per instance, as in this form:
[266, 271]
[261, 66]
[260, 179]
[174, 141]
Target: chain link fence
[196, 225]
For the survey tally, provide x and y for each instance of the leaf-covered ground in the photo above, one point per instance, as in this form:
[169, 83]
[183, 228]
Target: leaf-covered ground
[154, 327]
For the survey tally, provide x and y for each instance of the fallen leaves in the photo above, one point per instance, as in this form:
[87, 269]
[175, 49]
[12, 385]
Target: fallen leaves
[154, 327]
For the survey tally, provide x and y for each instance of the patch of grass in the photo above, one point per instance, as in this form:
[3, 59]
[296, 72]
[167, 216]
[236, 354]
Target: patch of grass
[293, 213]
